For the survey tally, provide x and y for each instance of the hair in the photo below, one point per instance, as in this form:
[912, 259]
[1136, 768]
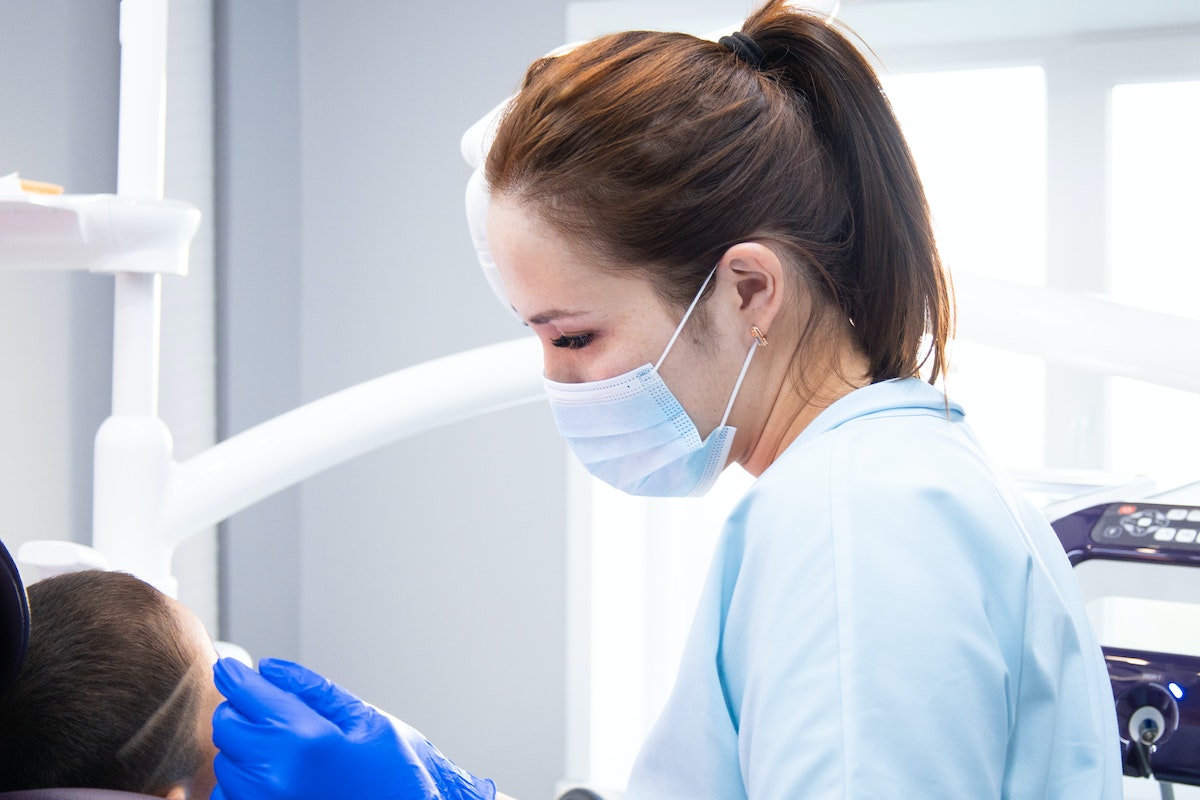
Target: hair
[109, 693]
[659, 151]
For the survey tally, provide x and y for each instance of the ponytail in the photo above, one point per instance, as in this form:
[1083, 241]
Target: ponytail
[890, 283]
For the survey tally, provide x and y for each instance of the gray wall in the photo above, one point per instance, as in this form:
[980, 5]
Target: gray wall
[429, 576]
[59, 68]
[258, 301]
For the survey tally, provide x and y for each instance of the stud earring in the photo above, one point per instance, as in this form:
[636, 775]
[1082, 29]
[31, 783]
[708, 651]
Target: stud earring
[758, 336]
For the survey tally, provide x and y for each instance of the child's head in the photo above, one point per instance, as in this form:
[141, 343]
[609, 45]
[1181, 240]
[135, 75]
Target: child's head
[116, 691]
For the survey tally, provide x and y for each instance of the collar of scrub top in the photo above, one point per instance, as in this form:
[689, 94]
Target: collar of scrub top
[478, 139]
[893, 397]
[14, 620]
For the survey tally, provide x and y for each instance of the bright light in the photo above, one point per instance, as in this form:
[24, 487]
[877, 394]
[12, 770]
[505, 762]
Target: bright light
[979, 139]
[1155, 169]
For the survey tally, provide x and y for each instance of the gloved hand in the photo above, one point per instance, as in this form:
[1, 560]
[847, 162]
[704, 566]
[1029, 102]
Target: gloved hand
[289, 733]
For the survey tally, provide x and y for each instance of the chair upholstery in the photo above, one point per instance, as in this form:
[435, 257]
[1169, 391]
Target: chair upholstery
[72, 794]
[14, 620]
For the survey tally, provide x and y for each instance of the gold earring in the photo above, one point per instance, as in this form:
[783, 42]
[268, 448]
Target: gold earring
[758, 336]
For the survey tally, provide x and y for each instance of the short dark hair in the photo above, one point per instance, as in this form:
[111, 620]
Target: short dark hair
[109, 692]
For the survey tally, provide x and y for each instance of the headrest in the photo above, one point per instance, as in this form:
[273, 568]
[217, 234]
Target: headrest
[578, 793]
[72, 794]
[14, 620]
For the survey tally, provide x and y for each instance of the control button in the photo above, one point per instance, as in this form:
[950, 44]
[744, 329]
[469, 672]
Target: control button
[1113, 532]
[1164, 534]
[1194, 515]
[1186, 536]
[1144, 523]
[1177, 514]
[1123, 510]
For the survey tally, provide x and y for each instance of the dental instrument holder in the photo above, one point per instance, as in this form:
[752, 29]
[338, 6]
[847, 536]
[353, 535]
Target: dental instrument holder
[136, 240]
[1157, 695]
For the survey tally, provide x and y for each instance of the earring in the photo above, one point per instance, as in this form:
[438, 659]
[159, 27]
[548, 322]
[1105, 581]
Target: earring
[758, 336]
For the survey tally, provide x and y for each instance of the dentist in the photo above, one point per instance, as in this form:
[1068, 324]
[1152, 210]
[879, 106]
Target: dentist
[726, 252]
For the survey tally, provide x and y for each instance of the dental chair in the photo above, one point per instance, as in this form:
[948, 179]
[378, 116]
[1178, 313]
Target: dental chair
[73, 794]
[14, 642]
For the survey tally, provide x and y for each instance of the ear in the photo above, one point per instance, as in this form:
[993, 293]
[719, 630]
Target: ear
[757, 274]
[177, 792]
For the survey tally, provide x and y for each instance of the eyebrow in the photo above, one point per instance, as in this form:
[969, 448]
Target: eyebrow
[552, 315]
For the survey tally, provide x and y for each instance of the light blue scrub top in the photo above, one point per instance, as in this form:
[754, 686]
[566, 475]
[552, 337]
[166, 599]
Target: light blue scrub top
[886, 617]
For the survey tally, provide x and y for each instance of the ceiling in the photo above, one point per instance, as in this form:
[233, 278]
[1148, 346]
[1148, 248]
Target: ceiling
[904, 22]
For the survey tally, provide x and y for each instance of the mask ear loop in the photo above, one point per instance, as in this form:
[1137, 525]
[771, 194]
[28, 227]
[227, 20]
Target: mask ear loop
[682, 322]
[759, 341]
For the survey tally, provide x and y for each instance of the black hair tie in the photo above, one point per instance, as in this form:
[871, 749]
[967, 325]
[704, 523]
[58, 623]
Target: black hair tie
[745, 48]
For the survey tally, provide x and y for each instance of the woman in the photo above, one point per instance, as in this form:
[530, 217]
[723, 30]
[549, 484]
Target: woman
[726, 252]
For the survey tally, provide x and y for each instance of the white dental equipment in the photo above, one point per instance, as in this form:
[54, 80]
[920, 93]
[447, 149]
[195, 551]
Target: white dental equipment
[146, 503]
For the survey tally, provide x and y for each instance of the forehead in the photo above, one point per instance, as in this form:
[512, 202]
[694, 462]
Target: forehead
[546, 274]
[193, 629]
[536, 262]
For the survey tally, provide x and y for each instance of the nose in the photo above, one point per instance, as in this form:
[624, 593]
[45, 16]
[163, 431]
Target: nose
[557, 367]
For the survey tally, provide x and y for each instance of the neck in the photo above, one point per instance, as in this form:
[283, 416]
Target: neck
[797, 403]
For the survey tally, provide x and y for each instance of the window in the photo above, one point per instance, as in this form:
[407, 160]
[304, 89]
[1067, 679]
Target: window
[649, 559]
[984, 171]
[1155, 205]
[1155, 263]
[983, 165]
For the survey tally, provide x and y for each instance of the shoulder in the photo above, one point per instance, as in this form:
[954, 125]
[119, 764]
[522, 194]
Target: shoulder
[897, 455]
[896, 477]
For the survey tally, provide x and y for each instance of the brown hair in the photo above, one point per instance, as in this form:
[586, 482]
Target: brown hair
[109, 693]
[661, 150]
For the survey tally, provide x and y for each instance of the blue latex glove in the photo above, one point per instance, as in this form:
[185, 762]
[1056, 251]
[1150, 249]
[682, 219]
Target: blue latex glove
[285, 732]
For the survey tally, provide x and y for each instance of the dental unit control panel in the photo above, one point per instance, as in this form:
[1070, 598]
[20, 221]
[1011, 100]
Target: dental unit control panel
[1157, 695]
[1148, 525]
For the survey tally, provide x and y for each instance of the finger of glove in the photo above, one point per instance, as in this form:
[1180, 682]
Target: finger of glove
[237, 737]
[340, 706]
[256, 698]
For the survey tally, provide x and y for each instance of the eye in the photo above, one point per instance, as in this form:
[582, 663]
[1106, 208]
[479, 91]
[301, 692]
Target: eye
[573, 342]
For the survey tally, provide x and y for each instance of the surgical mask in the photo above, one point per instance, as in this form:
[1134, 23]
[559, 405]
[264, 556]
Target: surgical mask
[633, 434]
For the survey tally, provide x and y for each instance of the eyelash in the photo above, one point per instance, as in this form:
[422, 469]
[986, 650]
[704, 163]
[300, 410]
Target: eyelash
[573, 342]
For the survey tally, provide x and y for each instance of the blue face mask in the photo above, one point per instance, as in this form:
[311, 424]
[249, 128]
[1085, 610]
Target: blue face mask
[631, 432]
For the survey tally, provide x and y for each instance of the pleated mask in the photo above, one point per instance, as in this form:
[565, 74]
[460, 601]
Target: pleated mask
[631, 432]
